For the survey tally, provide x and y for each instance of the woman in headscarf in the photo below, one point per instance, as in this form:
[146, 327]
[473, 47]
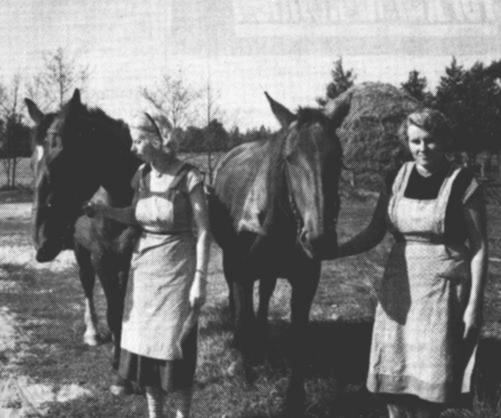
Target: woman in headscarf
[430, 301]
[167, 281]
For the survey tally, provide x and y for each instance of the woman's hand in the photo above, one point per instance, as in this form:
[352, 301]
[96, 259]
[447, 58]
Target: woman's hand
[472, 321]
[198, 291]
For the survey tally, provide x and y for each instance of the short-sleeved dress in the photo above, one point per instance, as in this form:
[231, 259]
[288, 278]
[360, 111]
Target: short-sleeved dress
[417, 345]
[162, 269]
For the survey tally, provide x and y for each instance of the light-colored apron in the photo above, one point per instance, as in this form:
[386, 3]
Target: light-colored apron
[162, 270]
[417, 345]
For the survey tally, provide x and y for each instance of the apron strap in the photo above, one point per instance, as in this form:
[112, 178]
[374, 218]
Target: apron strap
[444, 194]
[180, 175]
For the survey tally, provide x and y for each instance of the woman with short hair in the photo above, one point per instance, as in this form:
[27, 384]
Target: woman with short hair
[430, 301]
[167, 282]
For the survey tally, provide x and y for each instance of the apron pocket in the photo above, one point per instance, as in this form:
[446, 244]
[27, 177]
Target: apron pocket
[454, 269]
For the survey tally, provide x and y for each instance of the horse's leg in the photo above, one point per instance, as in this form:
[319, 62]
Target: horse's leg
[266, 288]
[87, 278]
[107, 270]
[229, 275]
[304, 285]
[245, 323]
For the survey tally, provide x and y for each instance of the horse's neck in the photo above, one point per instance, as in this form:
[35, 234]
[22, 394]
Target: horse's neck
[279, 211]
[116, 181]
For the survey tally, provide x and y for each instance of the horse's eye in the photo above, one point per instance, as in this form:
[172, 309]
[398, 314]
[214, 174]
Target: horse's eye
[54, 139]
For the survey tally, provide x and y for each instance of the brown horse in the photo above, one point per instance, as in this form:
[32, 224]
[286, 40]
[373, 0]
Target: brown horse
[76, 153]
[273, 211]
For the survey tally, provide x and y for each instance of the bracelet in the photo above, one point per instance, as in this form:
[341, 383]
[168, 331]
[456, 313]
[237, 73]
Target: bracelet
[201, 271]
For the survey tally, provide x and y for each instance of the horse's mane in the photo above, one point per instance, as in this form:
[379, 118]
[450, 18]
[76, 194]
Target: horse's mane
[308, 115]
[117, 127]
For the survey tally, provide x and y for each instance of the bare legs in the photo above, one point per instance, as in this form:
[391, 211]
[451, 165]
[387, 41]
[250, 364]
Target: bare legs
[155, 400]
[183, 403]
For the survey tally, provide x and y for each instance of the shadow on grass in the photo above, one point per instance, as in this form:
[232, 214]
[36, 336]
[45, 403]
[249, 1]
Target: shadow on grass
[337, 363]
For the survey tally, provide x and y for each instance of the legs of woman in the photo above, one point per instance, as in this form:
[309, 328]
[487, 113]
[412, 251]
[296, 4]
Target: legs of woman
[414, 409]
[396, 410]
[426, 410]
[155, 402]
[183, 403]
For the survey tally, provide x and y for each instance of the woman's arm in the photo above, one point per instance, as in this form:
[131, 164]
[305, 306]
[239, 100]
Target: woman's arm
[370, 236]
[122, 215]
[200, 214]
[475, 218]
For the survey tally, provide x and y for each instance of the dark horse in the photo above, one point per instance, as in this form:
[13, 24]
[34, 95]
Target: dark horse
[79, 154]
[273, 211]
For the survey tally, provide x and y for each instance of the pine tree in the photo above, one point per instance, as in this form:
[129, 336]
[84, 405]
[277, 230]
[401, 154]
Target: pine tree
[472, 101]
[342, 80]
[416, 85]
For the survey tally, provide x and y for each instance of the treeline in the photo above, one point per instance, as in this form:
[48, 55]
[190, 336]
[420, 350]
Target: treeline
[470, 97]
[215, 138]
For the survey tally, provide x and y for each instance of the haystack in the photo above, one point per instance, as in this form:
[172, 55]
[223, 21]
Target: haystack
[369, 133]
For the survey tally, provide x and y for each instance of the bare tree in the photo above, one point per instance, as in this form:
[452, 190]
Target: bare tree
[174, 99]
[213, 112]
[14, 135]
[61, 74]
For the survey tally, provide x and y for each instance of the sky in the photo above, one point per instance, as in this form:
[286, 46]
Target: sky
[243, 47]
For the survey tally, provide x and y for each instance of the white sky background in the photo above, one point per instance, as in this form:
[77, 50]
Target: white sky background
[128, 44]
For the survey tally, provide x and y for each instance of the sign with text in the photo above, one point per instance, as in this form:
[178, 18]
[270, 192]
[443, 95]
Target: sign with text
[361, 18]
[260, 27]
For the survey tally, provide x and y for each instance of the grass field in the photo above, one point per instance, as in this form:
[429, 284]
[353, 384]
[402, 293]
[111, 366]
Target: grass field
[46, 370]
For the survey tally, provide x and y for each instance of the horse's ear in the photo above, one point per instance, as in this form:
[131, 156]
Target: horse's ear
[337, 109]
[35, 113]
[284, 115]
[75, 99]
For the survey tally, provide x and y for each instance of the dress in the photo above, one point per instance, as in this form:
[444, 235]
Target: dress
[417, 345]
[162, 269]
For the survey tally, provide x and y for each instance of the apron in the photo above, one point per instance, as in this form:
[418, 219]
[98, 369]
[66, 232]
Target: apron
[162, 269]
[417, 345]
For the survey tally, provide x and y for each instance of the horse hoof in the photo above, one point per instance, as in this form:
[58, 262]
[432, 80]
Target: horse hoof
[90, 340]
[117, 390]
[235, 369]
[118, 386]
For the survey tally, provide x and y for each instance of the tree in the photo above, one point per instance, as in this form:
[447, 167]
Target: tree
[14, 135]
[214, 129]
[416, 86]
[471, 98]
[342, 80]
[61, 74]
[173, 99]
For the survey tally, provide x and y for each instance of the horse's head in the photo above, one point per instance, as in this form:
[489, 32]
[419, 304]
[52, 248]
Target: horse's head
[312, 161]
[68, 168]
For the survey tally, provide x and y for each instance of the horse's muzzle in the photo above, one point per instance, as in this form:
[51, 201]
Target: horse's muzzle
[47, 253]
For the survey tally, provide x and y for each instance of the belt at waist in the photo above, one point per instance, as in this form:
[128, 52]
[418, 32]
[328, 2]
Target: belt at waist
[177, 232]
[421, 238]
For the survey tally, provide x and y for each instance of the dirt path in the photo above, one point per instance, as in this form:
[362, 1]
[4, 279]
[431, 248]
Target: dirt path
[20, 395]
